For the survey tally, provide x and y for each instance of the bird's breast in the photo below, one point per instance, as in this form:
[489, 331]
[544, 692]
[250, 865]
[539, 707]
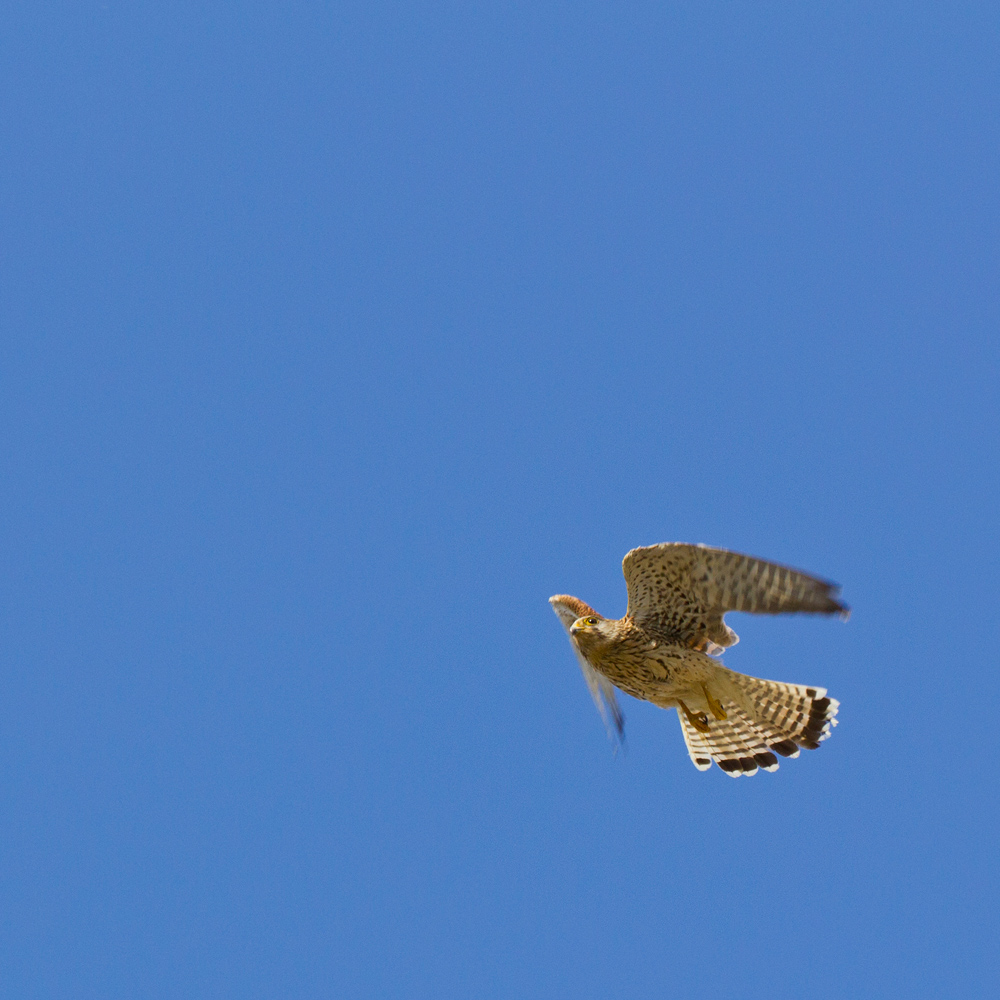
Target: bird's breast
[637, 665]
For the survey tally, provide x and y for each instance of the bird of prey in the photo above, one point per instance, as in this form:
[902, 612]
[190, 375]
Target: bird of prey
[664, 651]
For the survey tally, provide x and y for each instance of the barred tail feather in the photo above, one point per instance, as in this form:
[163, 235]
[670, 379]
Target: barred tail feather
[773, 719]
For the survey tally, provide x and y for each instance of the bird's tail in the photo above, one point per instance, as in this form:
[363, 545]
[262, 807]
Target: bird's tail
[764, 720]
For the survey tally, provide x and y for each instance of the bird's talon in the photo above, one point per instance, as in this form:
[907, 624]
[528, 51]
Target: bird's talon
[717, 710]
[699, 721]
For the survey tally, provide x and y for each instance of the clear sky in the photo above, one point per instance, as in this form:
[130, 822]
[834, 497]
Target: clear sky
[336, 338]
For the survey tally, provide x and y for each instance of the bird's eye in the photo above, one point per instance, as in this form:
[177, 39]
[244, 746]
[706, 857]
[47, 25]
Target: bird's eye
[591, 621]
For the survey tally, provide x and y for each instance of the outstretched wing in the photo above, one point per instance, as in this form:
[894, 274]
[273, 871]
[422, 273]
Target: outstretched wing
[568, 609]
[683, 591]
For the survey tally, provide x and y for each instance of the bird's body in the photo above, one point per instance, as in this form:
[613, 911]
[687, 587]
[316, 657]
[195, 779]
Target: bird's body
[661, 652]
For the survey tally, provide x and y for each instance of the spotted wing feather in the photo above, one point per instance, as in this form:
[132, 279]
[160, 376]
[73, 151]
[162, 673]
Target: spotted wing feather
[684, 590]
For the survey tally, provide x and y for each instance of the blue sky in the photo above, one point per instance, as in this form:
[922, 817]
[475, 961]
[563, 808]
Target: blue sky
[336, 338]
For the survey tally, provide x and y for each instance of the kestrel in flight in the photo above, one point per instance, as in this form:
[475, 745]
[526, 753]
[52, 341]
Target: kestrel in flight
[664, 651]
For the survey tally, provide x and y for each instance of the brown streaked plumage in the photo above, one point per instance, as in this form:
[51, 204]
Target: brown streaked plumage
[663, 651]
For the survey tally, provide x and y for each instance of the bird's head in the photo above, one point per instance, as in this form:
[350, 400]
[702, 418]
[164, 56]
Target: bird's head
[587, 628]
[592, 633]
[588, 623]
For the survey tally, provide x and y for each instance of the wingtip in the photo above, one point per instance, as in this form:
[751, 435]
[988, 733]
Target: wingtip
[571, 605]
